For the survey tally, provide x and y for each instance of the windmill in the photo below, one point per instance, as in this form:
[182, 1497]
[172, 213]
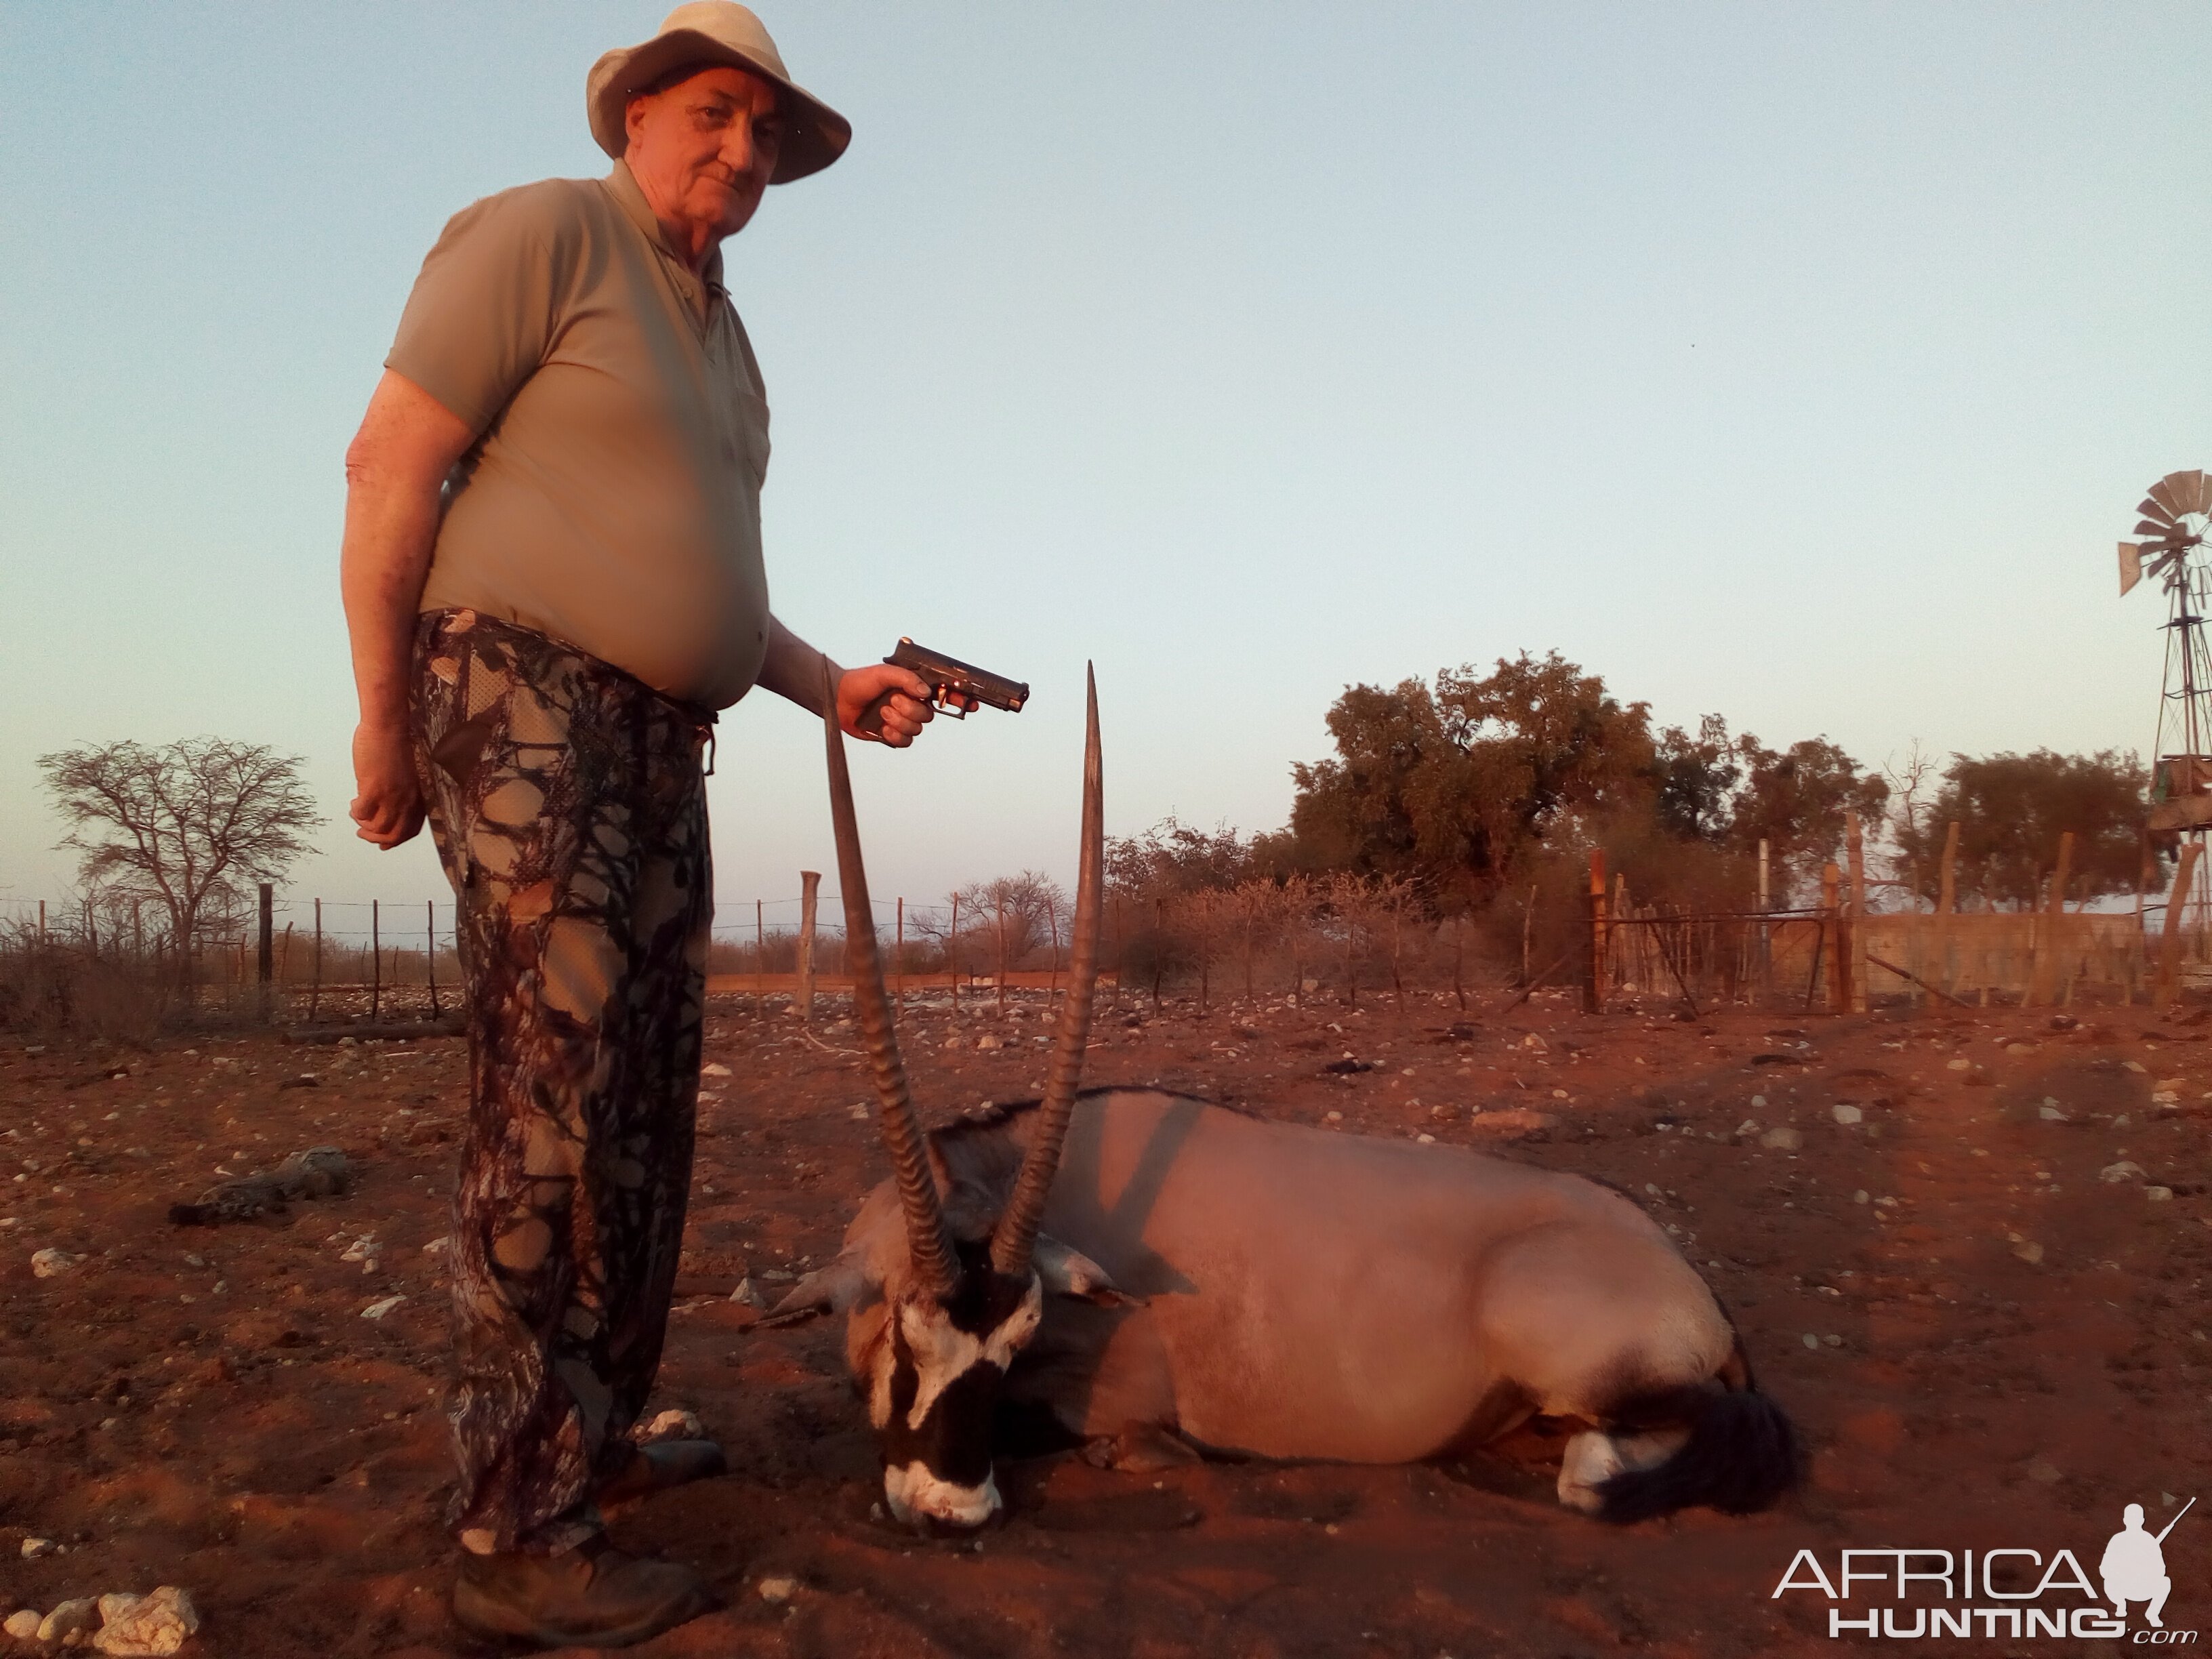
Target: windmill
[2175, 517]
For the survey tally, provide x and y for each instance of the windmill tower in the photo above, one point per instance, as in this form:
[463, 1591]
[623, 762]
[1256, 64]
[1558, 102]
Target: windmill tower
[2175, 517]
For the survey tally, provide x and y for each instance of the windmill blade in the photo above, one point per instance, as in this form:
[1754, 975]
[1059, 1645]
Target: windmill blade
[2162, 493]
[2191, 491]
[2155, 530]
[2130, 567]
[2154, 510]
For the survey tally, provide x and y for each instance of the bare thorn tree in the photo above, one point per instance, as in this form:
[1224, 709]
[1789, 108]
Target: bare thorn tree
[190, 826]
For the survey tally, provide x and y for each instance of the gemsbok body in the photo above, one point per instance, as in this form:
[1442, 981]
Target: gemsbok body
[1163, 1278]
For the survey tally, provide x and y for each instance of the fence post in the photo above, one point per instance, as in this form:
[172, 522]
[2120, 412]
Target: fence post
[1832, 934]
[1855, 850]
[760, 958]
[1766, 928]
[1052, 978]
[2169, 946]
[1594, 980]
[315, 994]
[375, 962]
[952, 952]
[810, 887]
[42, 921]
[2043, 974]
[430, 958]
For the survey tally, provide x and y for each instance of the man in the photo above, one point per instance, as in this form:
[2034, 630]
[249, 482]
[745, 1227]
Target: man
[552, 579]
[2134, 1567]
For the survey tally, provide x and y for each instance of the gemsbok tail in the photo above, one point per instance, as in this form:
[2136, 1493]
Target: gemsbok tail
[1741, 1456]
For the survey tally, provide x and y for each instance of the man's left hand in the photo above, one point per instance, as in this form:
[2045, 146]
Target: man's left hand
[883, 704]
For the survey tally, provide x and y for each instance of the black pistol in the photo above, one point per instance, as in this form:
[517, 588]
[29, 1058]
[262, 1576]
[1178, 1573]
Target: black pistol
[959, 688]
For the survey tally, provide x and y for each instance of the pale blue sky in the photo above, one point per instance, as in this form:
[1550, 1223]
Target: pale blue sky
[1798, 362]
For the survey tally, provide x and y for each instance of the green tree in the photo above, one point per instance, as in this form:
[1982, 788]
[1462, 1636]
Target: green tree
[1454, 783]
[1795, 800]
[1696, 779]
[2011, 809]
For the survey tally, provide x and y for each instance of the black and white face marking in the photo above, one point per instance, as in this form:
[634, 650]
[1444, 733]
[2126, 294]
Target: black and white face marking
[935, 1387]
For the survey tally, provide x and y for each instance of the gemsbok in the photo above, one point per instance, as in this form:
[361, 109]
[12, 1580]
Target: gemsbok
[1161, 1278]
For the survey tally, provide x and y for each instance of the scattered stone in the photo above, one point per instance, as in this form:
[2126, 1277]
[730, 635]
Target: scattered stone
[364, 1249]
[671, 1425]
[2135, 1065]
[23, 1624]
[2064, 1022]
[2029, 1251]
[1534, 1044]
[778, 1590]
[1959, 1064]
[747, 1295]
[2171, 1085]
[986, 1041]
[2043, 1472]
[71, 1618]
[1426, 1139]
[2020, 1048]
[1784, 1139]
[1811, 1341]
[1847, 1114]
[2125, 1169]
[377, 1309]
[1513, 1121]
[1860, 1196]
[146, 1626]
[35, 1547]
[50, 1263]
[858, 1113]
[2050, 1114]
[1335, 1117]
[714, 1069]
[2158, 1194]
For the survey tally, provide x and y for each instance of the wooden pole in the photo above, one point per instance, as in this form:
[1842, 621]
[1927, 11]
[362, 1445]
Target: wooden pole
[2169, 946]
[284, 956]
[760, 958]
[810, 887]
[315, 993]
[899, 959]
[266, 960]
[2044, 974]
[1594, 980]
[1831, 881]
[1766, 928]
[1855, 850]
[952, 952]
[1052, 978]
[1947, 899]
[430, 956]
[42, 921]
[999, 915]
[376, 961]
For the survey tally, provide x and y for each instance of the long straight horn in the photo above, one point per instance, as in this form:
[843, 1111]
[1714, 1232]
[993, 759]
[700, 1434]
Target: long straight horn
[1012, 1239]
[934, 1264]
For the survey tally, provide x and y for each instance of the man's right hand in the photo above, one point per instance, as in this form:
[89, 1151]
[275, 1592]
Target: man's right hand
[389, 808]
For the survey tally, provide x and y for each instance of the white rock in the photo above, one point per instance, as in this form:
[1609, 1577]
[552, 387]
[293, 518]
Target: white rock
[147, 1626]
[23, 1624]
[1784, 1139]
[2125, 1169]
[2135, 1065]
[2158, 1194]
[2050, 1115]
[714, 1069]
[1958, 1065]
[69, 1618]
[377, 1309]
[1846, 1113]
[671, 1425]
[363, 1249]
[35, 1547]
[748, 1295]
[776, 1591]
[2029, 1251]
[986, 1041]
[49, 1262]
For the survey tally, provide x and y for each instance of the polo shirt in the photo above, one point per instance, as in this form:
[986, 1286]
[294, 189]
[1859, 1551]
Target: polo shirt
[611, 497]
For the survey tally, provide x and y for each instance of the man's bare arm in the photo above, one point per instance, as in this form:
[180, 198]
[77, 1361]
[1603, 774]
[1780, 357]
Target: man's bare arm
[395, 468]
[792, 669]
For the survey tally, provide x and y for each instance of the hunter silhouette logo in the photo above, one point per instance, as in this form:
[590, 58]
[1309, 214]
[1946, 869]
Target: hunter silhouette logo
[2007, 1592]
[2134, 1567]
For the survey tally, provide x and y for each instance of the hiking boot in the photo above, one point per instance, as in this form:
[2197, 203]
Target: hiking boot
[593, 1596]
[658, 1467]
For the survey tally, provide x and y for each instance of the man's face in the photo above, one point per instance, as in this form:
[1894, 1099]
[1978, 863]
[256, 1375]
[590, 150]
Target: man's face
[702, 149]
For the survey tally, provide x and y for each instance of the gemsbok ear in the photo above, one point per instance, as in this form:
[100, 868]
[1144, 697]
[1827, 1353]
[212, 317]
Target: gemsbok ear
[1065, 1272]
[838, 1288]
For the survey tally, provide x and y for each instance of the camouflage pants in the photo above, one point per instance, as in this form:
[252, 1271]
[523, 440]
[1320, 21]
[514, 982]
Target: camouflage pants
[570, 815]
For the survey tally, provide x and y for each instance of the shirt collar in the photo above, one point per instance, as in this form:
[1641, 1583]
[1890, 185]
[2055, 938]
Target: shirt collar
[623, 187]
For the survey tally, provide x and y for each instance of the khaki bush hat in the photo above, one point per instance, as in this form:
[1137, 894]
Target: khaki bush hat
[708, 32]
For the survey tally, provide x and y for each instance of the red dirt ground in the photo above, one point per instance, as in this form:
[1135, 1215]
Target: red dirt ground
[207, 1408]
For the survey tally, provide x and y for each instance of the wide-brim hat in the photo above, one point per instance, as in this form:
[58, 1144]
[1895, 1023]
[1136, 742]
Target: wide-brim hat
[709, 32]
